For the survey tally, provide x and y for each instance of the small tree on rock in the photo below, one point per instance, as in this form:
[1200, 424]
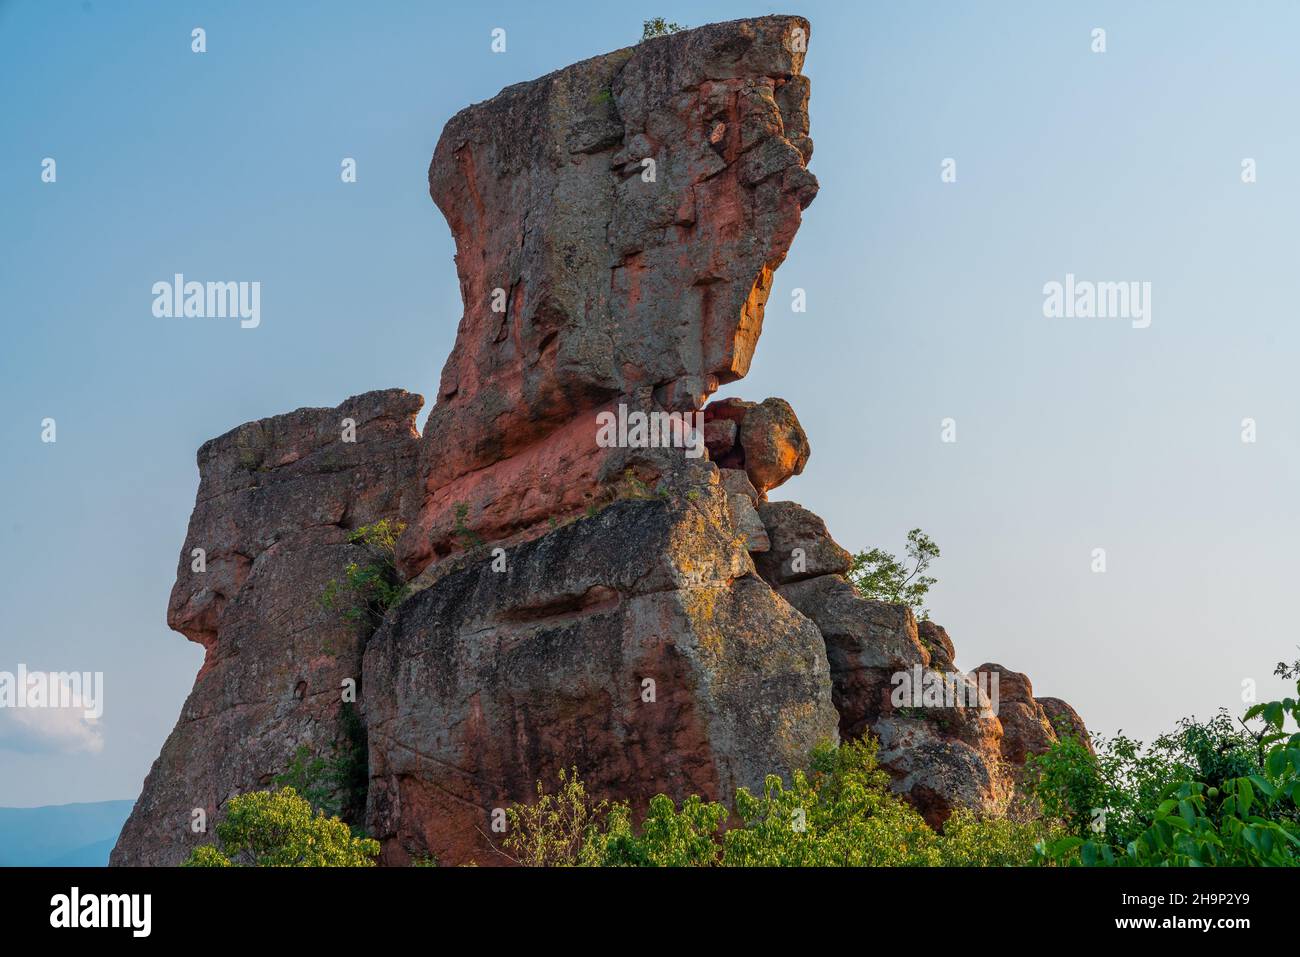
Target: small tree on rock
[879, 576]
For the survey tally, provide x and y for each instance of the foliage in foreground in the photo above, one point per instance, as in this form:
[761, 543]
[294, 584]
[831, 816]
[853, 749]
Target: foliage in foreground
[879, 576]
[279, 829]
[838, 813]
[1213, 793]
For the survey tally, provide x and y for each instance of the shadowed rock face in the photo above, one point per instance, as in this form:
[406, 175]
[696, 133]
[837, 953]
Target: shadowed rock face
[277, 499]
[617, 224]
[647, 617]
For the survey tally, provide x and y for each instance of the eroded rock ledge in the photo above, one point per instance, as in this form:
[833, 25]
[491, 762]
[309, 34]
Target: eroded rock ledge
[649, 618]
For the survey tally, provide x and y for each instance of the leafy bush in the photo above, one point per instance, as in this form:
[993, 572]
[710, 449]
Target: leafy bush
[336, 784]
[839, 813]
[279, 829]
[659, 27]
[972, 841]
[553, 831]
[842, 814]
[667, 837]
[369, 590]
[879, 576]
[1210, 793]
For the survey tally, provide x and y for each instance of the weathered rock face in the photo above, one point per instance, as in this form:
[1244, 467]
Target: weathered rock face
[941, 757]
[1065, 721]
[961, 749]
[801, 547]
[637, 645]
[276, 501]
[643, 615]
[617, 224]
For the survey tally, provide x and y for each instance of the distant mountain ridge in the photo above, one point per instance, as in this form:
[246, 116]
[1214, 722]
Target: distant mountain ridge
[61, 835]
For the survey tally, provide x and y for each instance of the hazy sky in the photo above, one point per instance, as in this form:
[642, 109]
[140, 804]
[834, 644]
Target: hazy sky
[925, 302]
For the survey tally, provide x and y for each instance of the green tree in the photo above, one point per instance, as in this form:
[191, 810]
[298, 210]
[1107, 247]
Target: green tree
[667, 837]
[879, 576]
[659, 27]
[279, 829]
[969, 840]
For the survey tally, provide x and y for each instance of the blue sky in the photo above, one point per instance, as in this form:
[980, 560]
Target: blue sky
[924, 302]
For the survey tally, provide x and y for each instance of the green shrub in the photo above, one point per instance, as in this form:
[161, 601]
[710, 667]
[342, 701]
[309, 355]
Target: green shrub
[840, 813]
[279, 829]
[553, 831]
[667, 837]
[659, 27]
[335, 784]
[879, 576]
[369, 589]
[969, 840]
[1210, 793]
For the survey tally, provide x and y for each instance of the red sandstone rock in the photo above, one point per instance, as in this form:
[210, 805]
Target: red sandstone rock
[586, 280]
[1065, 720]
[941, 758]
[801, 545]
[937, 643]
[769, 444]
[720, 437]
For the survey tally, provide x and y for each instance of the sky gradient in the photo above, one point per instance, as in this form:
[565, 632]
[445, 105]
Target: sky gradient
[925, 302]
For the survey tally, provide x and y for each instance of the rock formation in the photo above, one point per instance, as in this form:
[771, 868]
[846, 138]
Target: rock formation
[617, 224]
[638, 609]
[276, 501]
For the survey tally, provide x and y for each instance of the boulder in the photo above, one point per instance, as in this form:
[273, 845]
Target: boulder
[938, 644]
[801, 545]
[773, 444]
[769, 443]
[637, 646]
[1065, 721]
